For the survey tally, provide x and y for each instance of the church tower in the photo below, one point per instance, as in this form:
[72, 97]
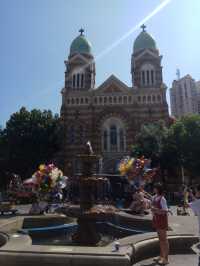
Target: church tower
[146, 66]
[80, 66]
[76, 100]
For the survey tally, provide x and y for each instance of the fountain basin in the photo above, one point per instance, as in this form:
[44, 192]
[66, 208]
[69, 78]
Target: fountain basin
[19, 249]
[62, 234]
[3, 239]
[196, 248]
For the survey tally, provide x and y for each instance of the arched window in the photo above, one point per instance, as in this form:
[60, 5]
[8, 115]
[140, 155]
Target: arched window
[148, 81]
[149, 99]
[139, 99]
[105, 140]
[125, 99]
[71, 135]
[72, 100]
[105, 99]
[110, 99]
[143, 78]
[100, 100]
[154, 98]
[74, 81]
[120, 99]
[115, 99]
[82, 80]
[121, 139]
[152, 77]
[113, 135]
[81, 100]
[77, 100]
[144, 99]
[78, 80]
[147, 77]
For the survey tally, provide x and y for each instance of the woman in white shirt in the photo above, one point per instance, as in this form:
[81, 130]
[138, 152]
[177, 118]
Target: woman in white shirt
[160, 222]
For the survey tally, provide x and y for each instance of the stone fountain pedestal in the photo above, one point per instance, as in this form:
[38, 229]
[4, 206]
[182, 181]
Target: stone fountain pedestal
[87, 233]
[89, 213]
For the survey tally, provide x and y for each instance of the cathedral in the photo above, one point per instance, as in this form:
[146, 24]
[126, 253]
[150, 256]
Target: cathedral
[111, 114]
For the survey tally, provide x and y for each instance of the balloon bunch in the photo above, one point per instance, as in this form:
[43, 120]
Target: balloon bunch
[137, 167]
[125, 165]
[46, 178]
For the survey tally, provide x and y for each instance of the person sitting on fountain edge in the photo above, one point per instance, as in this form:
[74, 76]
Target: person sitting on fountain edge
[141, 201]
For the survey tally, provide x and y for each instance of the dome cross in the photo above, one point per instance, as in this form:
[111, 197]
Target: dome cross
[143, 27]
[81, 31]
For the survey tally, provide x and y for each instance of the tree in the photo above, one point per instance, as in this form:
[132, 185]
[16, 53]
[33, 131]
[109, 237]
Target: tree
[3, 158]
[184, 136]
[31, 138]
[151, 141]
[172, 148]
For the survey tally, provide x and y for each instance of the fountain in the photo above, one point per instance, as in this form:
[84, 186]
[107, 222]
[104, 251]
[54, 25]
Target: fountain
[89, 212]
[53, 239]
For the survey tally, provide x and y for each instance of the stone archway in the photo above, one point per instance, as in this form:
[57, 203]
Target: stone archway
[120, 119]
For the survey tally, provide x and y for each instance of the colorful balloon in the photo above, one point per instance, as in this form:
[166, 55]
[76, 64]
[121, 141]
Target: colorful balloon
[46, 178]
[136, 168]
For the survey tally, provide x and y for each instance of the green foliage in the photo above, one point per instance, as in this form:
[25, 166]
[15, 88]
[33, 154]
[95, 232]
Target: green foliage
[178, 145]
[184, 136]
[3, 157]
[30, 138]
[149, 141]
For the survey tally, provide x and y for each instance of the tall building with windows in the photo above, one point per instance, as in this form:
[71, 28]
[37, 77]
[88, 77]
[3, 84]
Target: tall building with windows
[111, 114]
[183, 97]
[198, 96]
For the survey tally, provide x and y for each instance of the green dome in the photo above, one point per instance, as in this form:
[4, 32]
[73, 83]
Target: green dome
[80, 45]
[144, 41]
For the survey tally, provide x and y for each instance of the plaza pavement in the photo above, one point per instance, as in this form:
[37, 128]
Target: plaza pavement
[174, 260]
[187, 225]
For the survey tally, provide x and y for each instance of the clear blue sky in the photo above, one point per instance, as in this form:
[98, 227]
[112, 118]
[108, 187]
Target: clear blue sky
[36, 35]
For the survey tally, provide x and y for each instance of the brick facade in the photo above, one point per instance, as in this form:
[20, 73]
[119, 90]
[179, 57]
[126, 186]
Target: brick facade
[112, 114]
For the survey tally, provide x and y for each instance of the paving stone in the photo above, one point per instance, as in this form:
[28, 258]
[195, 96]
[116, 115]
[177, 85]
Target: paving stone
[174, 260]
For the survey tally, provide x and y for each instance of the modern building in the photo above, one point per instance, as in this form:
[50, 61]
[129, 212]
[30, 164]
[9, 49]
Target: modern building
[111, 114]
[198, 96]
[183, 97]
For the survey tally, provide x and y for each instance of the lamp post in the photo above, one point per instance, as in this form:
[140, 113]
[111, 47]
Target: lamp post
[182, 170]
[182, 174]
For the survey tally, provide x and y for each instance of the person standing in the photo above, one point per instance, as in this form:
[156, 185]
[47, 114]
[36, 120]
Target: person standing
[186, 193]
[195, 204]
[160, 222]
